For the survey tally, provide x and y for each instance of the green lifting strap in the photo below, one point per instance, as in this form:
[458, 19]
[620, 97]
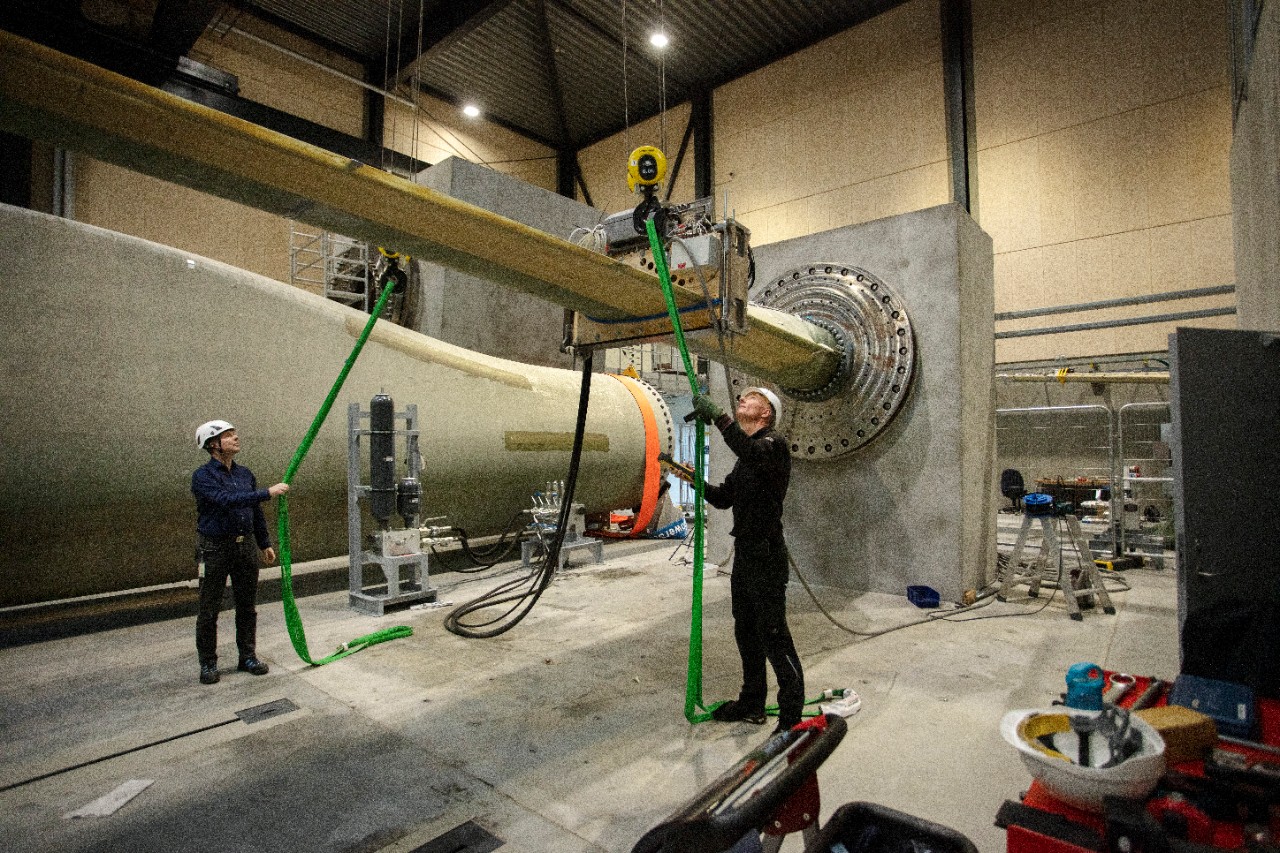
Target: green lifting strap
[291, 616]
[693, 683]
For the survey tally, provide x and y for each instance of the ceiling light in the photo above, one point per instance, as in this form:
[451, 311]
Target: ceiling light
[471, 111]
[659, 40]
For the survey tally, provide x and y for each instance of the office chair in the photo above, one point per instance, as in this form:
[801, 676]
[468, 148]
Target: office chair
[1013, 487]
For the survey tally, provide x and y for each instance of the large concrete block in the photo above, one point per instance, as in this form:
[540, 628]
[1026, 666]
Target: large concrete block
[915, 506]
[480, 315]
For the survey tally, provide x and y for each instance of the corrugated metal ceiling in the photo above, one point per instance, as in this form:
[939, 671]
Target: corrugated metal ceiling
[553, 69]
[566, 73]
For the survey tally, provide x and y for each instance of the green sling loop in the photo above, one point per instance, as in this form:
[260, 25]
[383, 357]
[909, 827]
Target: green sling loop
[291, 617]
[693, 683]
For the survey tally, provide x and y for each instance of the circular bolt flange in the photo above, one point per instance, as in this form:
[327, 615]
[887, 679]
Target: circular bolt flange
[870, 321]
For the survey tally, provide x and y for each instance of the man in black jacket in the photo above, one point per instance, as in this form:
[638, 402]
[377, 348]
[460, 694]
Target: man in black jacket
[755, 490]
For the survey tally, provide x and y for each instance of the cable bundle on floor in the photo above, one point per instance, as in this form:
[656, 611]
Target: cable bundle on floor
[523, 593]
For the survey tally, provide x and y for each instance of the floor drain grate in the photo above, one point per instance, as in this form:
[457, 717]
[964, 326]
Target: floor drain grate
[258, 713]
[468, 837]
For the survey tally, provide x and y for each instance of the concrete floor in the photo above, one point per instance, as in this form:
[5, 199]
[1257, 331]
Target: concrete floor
[565, 734]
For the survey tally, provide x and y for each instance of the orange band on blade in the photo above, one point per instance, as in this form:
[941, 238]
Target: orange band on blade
[652, 473]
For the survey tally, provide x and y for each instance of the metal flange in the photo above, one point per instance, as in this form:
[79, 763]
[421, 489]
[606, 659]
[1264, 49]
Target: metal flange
[870, 321]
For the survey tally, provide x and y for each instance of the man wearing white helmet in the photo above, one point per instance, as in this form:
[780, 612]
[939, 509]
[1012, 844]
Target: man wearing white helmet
[232, 529]
[755, 490]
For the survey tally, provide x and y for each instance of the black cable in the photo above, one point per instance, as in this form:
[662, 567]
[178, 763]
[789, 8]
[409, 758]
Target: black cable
[540, 578]
[479, 557]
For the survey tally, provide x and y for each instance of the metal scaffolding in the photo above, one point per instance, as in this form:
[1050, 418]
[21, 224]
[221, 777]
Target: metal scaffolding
[330, 264]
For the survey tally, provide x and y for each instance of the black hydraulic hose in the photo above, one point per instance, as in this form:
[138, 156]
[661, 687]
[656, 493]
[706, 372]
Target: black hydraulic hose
[480, 557]
[540, 578]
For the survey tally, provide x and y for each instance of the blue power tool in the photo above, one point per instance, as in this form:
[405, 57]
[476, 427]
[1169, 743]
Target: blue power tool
[1084, 687]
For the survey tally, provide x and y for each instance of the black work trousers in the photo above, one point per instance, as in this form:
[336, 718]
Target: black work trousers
[226, 558]
[759, 591]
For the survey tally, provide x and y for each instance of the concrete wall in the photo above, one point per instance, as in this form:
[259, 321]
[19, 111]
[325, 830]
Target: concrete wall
[914, 506]
[480, 315]
[124, 201]
[926, 482]
[1103, 131]
[114, 349]
[1255, 181]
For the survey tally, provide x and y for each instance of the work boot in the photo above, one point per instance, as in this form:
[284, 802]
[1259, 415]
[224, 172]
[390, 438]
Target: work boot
[253, 666]
[734, 711]
[784, 727]
[208, 673]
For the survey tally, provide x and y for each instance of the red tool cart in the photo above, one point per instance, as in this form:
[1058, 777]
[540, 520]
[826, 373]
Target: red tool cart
[1227, 800]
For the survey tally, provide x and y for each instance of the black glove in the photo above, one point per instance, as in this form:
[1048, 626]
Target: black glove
[705, 409]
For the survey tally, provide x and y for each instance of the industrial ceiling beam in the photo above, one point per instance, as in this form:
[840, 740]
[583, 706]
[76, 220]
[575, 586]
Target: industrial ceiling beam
[59, 99]
[704, 172]
[957, 74]
[178, 24]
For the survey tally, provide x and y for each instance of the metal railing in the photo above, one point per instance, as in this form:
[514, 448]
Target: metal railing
[1082, 449]
[337, 267]
[1064, 450]
[1146, 521]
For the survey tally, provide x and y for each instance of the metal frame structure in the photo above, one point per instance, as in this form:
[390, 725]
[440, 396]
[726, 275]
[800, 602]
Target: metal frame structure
[1151, 546]
[1111, 540]
[418, 586]
[1123, 536]
[335, 265]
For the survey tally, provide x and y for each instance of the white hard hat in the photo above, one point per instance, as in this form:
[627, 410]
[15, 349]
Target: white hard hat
[1050, 746]
[774, 402]
[209, 430]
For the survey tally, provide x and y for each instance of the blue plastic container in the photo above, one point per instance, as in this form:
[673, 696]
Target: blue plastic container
[1230, 705]
[1037, 503]
[1084, 687]
[922, 596]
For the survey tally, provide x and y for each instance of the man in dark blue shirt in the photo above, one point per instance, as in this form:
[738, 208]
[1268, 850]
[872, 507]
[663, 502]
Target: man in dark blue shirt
[232, 529]
[755, 490]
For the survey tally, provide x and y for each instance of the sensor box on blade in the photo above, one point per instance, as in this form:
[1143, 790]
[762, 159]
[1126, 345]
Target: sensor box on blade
[704, 260]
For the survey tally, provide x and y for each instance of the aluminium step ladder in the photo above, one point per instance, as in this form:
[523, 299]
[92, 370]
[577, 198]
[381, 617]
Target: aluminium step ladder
[1084, 582]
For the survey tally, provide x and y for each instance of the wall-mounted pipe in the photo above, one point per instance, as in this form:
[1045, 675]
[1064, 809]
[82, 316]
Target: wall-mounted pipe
[1140, 378]
[1112, 324]
[1170, 296]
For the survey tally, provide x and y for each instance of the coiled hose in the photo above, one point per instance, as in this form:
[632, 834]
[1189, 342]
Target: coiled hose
[523, 593]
